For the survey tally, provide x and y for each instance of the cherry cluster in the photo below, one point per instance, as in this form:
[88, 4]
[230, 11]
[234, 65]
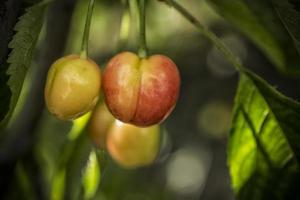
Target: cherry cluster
[139, 93]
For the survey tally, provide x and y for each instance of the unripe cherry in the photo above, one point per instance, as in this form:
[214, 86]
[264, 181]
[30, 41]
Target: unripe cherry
[131, 146]
[72, 87]
[141, 91]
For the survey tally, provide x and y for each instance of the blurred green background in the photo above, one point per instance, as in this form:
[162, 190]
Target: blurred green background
[58, 161]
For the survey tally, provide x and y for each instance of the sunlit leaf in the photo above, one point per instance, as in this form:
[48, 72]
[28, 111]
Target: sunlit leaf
[264, 147]
[78, 126]
[58, 185]
[260, 22]
[22, 45]
[91, 176]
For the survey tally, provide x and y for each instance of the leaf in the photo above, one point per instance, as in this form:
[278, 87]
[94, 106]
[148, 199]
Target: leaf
[259, 21]
[91, 176]
[76, 164]
[23, 44]
[264, 146]
[290, 17]
[67, 179]
[66, 182]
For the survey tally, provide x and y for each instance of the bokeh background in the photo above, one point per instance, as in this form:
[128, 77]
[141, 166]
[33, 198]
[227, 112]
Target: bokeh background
[53, 159]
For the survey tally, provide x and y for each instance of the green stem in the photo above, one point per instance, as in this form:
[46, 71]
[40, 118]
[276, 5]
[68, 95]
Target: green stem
[209, 35]
[137, 11]
[143, 51]
[86, 33]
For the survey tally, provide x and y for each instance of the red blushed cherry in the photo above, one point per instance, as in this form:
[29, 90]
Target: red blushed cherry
[131, 146]
[141, 91]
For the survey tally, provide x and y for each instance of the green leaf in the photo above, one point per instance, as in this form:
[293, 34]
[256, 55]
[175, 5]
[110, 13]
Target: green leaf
[58, 184]
[22, 45]
[91, 176]
[67, 179]
[264, 144]
[76, 164]
[260, 22]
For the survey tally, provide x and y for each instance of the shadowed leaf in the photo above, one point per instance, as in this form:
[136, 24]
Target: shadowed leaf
[290, 17]
[22, 45]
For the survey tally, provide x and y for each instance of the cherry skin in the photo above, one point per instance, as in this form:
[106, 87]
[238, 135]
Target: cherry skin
[141, 91]
[131, 146]
[72, 87]
[100, 122]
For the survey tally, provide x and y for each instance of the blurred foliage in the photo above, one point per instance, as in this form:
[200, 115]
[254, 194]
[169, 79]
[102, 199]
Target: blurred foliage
[105, 21]
[271, 25]
[290, 17]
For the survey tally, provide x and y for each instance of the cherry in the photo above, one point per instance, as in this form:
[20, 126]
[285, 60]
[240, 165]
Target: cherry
[100, 122]
[72, 87]
[131, 146]
[141, 91]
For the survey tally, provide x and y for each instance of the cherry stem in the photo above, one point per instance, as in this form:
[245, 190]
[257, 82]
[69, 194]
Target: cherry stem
[233, 59]
[143, 51]
[86, 33]
[137, 8]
